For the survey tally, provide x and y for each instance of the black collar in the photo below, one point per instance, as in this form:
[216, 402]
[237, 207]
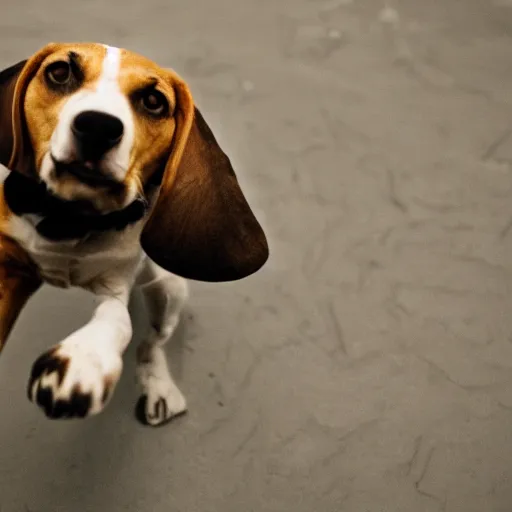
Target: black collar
[63, 220]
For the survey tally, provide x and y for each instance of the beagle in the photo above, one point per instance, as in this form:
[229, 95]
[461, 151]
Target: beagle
[114, 180]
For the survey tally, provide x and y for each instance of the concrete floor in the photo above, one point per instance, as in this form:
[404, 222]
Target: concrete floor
[368, 367]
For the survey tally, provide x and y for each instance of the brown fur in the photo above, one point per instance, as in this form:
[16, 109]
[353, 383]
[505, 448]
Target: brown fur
[42, 105]
[19, 279]
[153, 138]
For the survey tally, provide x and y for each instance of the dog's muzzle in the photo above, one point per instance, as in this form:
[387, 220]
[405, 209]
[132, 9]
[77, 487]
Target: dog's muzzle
[87, 173]
[94, 135]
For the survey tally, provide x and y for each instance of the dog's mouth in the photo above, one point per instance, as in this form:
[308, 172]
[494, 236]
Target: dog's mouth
[89, 173]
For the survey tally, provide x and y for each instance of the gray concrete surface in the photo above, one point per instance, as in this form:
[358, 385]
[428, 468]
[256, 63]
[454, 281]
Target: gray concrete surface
[368, 367]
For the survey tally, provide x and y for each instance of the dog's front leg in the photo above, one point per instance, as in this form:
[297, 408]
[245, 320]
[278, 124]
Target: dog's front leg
[19, 280]
[76, 378]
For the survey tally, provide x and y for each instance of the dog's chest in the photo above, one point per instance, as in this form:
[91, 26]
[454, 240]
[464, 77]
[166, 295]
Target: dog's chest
[74, 262]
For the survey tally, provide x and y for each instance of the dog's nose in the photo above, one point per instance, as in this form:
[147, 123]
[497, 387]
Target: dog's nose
[96, 133]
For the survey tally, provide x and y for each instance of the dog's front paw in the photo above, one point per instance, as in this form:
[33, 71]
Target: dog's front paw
[161, 400]
[74, 379]
[157, 410]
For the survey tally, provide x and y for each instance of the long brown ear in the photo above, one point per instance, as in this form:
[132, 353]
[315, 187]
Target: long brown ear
[15, 148]
[8, 78]
[202, 227]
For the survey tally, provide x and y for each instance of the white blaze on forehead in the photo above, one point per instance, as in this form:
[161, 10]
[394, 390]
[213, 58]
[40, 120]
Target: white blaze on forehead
[111, 65]
[107, 91]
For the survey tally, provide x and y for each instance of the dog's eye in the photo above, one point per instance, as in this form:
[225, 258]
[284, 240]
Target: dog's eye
[59, 73]
[154, 102]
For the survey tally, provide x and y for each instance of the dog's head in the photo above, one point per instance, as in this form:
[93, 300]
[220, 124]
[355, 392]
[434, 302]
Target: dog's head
[102, 126]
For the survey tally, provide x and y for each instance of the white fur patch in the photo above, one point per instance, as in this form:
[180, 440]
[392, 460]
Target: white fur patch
[76, 262]
[111, 66]
[4, 172]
